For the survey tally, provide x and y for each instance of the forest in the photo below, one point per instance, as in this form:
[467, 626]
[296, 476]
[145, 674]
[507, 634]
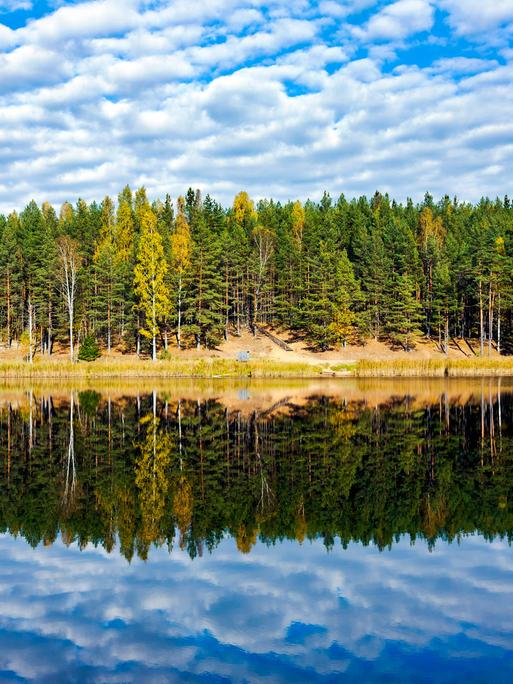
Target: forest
[143, 277]
[149, 470]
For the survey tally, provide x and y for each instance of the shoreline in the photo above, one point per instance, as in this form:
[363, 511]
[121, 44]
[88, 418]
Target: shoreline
[218, 368]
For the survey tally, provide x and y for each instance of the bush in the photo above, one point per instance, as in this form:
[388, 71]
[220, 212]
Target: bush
[89, 349]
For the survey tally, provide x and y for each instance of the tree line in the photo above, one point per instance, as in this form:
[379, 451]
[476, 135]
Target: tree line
[144, 471]
[143, 276]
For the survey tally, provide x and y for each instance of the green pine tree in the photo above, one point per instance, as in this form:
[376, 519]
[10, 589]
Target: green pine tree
[89, 349]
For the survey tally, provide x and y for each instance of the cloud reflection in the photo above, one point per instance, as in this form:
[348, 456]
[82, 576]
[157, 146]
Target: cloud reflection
[282, 613]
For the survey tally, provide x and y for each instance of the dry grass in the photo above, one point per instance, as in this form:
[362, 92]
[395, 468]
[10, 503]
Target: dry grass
[435, 367]
[211, 367]
[173, 367]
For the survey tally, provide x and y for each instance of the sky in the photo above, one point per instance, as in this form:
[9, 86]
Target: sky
[284, 613]
[282, 98]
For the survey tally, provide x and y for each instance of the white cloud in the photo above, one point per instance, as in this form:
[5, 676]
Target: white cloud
[29, 65]
[463, 65]
[397, 21]
[244, 17]
[284, 98]
[470, 17]
[7, 37]
[82, 20]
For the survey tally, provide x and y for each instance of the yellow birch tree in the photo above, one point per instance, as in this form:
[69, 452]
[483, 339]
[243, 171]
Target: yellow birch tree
[149, 278]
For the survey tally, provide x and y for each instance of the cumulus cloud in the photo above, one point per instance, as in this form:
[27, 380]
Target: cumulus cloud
[398, 20]
[475, 16]
[286, 99]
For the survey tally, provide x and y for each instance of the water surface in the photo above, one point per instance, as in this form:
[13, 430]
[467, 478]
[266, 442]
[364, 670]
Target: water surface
[349, 531]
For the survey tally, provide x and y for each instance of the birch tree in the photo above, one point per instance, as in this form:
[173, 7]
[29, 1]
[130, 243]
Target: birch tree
[149, 278]
[69, 262]
[181, 246]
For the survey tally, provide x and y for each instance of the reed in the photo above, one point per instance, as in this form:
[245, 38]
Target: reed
[173, 367]
[401, 368]
[502, 365]
[211, 367]
[435, 367]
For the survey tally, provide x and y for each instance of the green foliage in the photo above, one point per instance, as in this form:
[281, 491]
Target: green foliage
[334, 272]
[326, 310]
[189, 472]
[204, 314]
[89, 349]
[89, 401]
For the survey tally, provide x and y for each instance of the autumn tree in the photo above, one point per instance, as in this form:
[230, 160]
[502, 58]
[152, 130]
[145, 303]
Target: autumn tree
[152, 476]
[150, 285]
[181, 247]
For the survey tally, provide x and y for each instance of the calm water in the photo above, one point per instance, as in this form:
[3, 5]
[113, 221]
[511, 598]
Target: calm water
[348, 532]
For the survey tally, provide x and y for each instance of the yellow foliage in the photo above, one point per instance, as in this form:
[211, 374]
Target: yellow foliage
[152, 480]
[245, 538]
[298, 221]
[244, 208]
[149, 274]
[301, 527]
[66, 213]
[181, 243]
[124, 232]
[183, 504]
[430, 227]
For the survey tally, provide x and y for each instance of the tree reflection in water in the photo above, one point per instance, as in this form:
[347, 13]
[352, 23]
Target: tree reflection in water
[151, 470]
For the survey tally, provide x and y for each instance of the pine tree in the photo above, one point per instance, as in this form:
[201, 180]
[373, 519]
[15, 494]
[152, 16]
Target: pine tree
[32, 230]
[89, 349]
[327, 311]
[204, 298]
[109, 277]
[404, 311]
[11, 276]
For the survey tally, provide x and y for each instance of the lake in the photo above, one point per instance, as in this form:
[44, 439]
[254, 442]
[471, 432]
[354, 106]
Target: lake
[286, 531]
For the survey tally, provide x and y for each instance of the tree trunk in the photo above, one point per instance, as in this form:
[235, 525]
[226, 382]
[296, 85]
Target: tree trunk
[499, 324]
[179, 328]
[446, 334]
[490, 318]
[71, 346]
[8, 297]
[108, 327]
[138, 335]
[481, 320]
[154, 330]
[49, 331]
[226, 300]
[30, 324]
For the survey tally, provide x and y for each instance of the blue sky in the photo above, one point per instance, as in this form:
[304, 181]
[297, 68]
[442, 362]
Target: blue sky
[284, 98]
